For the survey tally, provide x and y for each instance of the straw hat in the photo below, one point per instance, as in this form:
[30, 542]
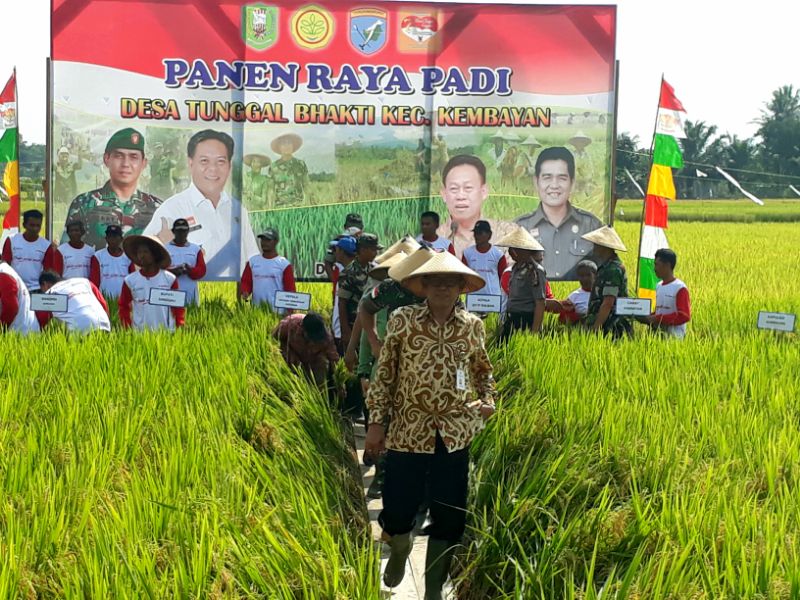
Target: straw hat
[443, 263]
[407, 244]
[249, 158]
[530, 141]
[606, 237]
[413, 262]
[131, 243]
[580, 140]
[505, 136]
[295, 140]
[519, 238]
[381, 272]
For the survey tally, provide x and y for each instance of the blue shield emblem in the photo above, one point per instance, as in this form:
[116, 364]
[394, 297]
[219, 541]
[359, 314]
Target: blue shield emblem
[368, 29]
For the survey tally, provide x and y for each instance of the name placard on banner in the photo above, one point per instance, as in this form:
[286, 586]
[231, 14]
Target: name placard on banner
[484, 303]
[293, 300]
[633, 307]
[776, 321]
[56, 303]
[171, 298]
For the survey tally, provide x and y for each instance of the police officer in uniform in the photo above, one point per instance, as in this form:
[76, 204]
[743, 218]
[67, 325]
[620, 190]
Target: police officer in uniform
[119, 201]
[556, 223]
[611, 283]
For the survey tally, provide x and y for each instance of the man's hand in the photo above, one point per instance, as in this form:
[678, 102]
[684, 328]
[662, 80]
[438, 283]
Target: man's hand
[375, 346]
[350, 359]
[486, 410]
[568, 305]
[165, 235]
[375, 442]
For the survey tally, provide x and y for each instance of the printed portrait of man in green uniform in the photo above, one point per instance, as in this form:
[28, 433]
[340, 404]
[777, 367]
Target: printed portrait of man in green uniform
[119, 201]
[289, 175]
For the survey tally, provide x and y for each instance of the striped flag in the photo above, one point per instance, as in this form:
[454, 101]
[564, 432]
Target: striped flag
[667, 155]
[9, 150]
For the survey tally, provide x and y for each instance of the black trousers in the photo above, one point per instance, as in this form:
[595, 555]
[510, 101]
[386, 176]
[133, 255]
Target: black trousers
[446, 474]
[516, 322]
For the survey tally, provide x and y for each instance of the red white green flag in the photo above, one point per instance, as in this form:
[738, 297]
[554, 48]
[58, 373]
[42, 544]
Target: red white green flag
[9, 154]
[667, 155]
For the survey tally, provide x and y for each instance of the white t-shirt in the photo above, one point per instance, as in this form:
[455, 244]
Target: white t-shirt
[77, 261]
[666, 304]
[84, 311]
[186, 255]
[113, 271]
[441, 244]
[336, 324]
[267, 279]
[580, 298]
[28, 258]
[213, 229]
[485, 264]
[144, 314]
[25, 322]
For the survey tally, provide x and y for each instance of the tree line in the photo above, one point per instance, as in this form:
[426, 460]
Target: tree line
[765, 164]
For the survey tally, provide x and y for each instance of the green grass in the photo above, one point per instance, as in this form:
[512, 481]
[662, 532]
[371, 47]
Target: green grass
[734, 211]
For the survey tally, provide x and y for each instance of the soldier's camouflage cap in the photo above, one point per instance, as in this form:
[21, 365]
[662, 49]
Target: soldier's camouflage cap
[368, 240]
[270, 233]
[126, 139]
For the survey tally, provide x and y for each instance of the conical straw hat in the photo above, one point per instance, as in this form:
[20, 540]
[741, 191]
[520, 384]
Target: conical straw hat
[131, 243]
[443, 263]
[607, 237]
[505, 136]
[521, 239]
[530, 141]
[413, 262]
[406, 244]
[381, 272]
[580, 140]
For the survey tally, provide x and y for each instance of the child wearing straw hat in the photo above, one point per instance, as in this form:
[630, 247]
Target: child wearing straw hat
[527, 285]
[610, 283]
[150, 255]
[434, 381]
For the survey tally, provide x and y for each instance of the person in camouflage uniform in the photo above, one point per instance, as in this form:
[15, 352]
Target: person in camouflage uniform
[162, 170]
[353, 281]
[66, 185]
[439, 155]
[289, 175]
[256, 193]
[118, 202]
[611, 283]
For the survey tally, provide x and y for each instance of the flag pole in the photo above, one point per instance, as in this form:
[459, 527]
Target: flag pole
[649, 174]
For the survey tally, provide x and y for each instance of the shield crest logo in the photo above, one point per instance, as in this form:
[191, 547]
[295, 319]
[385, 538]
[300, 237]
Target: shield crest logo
[259, 26]
[368, 29]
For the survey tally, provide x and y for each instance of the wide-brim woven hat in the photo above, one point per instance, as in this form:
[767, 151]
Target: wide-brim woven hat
[381, 272]
[406, 244]
[132, 242]
[519, 238]
[249, 158]
[443, 263]
[412, 262]
[580, 140]
[505, 136]
[606, 237]
[530, 141]
[295, 139]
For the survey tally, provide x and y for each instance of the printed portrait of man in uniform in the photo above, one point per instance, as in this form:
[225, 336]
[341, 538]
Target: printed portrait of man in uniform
[120, 201]
[218, 223]
[556, 223]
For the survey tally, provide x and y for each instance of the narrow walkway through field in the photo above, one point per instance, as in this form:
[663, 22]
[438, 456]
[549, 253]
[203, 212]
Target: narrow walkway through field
[413, 585]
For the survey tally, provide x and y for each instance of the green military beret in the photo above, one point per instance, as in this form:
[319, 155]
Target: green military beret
[126, 139]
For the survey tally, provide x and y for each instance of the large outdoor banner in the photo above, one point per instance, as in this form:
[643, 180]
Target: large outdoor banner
[240, 116]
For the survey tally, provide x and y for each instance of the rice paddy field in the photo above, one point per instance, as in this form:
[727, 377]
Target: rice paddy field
[198, 466]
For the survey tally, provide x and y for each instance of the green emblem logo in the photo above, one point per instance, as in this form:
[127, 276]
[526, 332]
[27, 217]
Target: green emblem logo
[260, 25]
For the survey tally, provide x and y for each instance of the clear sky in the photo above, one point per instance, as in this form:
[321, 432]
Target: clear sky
[723, 57]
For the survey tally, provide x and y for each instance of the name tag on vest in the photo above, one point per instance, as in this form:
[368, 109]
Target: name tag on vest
[293, 300]
[635, 307]
[171, 298]
[56, 303]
